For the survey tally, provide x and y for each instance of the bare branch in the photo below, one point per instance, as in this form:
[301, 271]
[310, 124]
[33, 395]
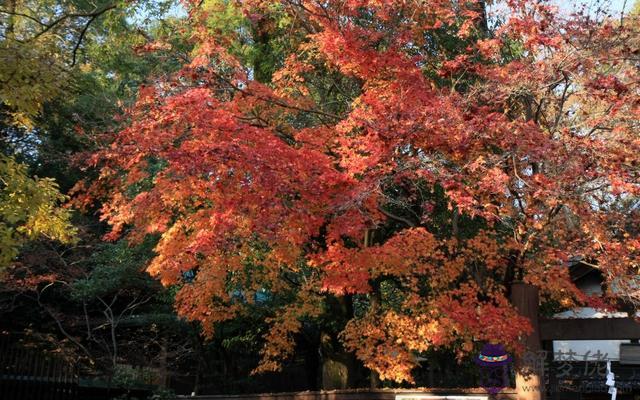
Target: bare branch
[64, 17]
[82, 33]
[398, 217]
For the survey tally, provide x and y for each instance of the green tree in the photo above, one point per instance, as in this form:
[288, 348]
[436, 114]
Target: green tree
[68, 67]
[29, 208]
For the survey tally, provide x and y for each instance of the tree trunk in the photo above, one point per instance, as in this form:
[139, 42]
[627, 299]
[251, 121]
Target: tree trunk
[529, 371]
[164, 374]
[199, 353]
[375, 300]
[481, 23]
[338, 367]
[374, 303]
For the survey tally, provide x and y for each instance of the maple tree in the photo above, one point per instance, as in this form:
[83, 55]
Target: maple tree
[408, 157]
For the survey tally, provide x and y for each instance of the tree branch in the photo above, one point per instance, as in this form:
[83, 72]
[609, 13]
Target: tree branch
[82, 33]
[398, 217]
[93, 14]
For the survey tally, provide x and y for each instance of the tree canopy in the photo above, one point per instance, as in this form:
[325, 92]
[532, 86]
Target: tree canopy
[409, 159]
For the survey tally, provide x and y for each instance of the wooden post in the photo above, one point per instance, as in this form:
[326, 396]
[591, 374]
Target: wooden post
[529, 372]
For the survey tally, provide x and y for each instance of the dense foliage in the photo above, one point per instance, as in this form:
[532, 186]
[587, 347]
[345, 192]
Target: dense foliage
[28, 209]
[475, 153]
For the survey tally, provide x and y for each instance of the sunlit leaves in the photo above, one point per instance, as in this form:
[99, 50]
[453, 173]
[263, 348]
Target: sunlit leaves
[30, 208]
[491, 161]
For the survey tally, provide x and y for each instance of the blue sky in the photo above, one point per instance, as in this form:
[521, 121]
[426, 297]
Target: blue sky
[613, 8]
[616, 6]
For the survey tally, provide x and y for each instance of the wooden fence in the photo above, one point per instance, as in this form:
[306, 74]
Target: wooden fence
[366, 394]
[26, 374]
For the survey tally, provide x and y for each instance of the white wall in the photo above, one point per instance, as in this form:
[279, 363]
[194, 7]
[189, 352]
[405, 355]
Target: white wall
[609, 349]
